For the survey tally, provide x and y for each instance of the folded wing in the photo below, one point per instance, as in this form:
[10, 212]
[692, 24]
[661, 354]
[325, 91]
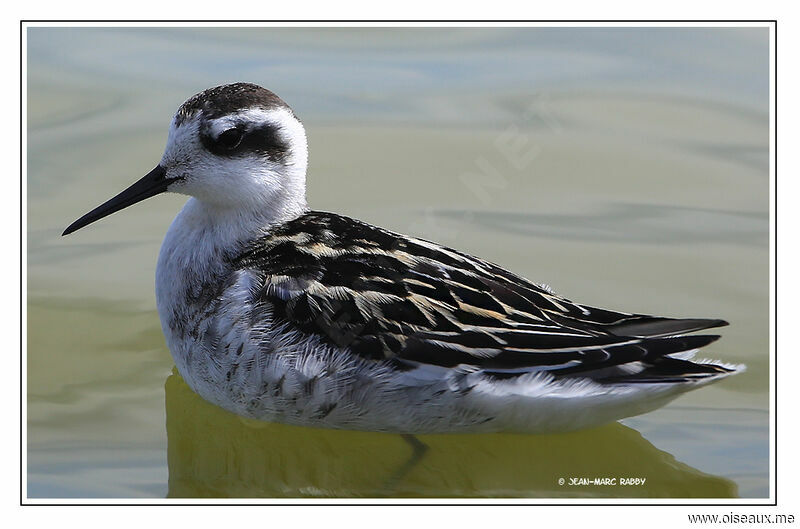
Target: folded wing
[387, 297]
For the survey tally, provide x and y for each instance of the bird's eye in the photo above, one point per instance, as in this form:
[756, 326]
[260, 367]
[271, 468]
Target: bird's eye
[230, 139]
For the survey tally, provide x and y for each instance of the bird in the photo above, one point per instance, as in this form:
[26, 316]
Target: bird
[277, 312]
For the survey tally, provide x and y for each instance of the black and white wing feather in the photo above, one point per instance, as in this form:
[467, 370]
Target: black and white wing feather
[385, 296]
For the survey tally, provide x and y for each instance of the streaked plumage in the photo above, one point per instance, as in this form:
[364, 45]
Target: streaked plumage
[277, 312]
[387, 296]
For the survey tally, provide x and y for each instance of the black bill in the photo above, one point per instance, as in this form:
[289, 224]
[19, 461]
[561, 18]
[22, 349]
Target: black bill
[149, 185]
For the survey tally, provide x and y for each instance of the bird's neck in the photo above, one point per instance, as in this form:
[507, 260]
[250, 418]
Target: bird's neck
[200, 244]
[203, 234]
[236, 224]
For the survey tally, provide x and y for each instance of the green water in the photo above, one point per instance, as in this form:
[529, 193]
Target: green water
[625, 168]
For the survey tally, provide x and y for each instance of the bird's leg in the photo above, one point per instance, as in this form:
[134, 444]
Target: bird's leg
[418, 452]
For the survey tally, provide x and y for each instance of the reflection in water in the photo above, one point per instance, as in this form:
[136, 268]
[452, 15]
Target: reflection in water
[213, 453]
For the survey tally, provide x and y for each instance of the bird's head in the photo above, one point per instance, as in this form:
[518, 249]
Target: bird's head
[236, 147]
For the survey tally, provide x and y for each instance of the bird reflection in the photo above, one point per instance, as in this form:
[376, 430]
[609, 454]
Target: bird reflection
[213, 453]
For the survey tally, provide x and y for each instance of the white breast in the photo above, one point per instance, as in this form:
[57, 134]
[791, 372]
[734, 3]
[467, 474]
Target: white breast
[190, 269]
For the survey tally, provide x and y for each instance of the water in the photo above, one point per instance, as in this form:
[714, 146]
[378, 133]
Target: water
[628, 168]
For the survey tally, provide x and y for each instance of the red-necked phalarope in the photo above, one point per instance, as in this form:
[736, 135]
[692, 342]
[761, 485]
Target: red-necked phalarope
[276, 312]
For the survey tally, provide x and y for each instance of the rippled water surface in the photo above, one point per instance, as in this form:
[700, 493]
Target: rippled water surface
[627, 168]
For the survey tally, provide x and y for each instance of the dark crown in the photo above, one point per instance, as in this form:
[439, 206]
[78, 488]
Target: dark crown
[226, 99]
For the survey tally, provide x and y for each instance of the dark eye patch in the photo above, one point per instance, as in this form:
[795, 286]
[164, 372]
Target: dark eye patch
[236, 141]
[265, 140]
[230, 139]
